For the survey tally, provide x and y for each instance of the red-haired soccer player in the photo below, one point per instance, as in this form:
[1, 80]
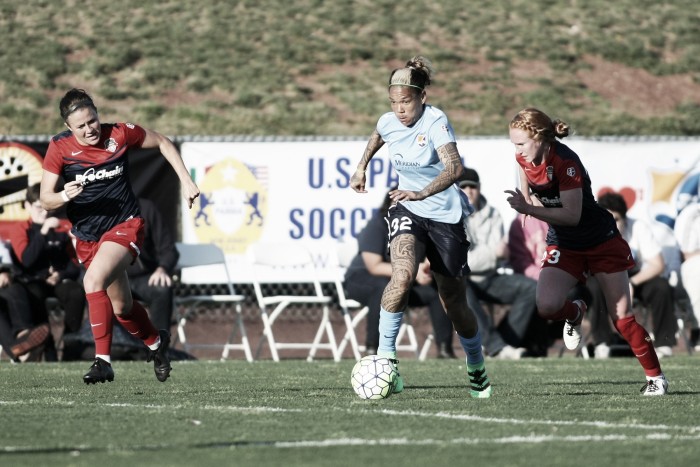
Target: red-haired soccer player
[583, 238]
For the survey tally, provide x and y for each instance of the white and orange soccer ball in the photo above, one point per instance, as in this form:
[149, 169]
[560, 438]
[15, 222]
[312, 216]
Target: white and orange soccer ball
[373, 377]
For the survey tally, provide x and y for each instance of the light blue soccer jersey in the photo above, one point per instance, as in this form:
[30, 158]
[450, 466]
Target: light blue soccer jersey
[413, 153]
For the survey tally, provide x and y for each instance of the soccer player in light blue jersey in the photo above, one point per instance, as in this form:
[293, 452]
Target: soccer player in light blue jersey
[426, 218]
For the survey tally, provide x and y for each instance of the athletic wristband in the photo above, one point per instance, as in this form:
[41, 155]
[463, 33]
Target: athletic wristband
[65, 196]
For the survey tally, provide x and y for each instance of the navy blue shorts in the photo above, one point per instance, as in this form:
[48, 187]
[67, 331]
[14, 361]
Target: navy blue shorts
[446, 245]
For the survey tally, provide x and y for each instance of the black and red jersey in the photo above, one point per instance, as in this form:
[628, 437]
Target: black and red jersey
[107, 198]
[562, 170]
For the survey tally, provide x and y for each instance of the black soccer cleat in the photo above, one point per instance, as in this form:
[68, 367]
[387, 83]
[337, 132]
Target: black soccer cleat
[99, 372]
[161, 362]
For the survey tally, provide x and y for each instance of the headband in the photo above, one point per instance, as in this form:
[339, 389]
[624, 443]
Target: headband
[409, 85]
[77, 105]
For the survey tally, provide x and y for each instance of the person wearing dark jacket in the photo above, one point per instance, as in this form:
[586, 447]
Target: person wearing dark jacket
[20, 337]
[150, 276]
[45, 264]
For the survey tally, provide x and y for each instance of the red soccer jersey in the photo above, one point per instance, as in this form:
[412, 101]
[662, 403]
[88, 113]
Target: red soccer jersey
[107, 198]
[564, 171]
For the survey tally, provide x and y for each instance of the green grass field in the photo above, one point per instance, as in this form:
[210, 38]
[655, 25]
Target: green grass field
[544, 412]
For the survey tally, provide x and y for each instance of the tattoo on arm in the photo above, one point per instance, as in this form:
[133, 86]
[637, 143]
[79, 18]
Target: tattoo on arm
[449, 156]
[375, 142]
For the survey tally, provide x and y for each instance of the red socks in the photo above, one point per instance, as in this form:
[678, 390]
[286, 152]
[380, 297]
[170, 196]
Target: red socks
[641, 344]
[139, 324]
[101, 313]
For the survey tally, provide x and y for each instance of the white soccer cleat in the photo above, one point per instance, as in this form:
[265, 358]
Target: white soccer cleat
[572, 330]
[655, 386]
[664, 351]
[509, 352]
[601, 351]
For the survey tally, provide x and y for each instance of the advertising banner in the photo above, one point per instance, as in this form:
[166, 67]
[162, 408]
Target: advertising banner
[298, 191]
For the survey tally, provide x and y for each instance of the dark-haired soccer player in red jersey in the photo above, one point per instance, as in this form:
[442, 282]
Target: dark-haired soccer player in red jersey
[92, 158]
[582, 240]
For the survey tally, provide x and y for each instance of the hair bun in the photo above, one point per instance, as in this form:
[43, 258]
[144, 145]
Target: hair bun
[561, 129]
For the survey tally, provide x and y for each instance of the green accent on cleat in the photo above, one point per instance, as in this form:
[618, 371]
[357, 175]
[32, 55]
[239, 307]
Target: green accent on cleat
[398, 385]
[479, 384]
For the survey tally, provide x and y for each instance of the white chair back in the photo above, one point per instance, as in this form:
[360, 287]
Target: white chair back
[193, 255]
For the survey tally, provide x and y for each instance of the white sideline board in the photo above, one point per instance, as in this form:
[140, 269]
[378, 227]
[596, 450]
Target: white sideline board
[298, 191]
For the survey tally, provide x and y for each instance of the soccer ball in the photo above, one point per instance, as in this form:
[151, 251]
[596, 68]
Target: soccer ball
[373, 377]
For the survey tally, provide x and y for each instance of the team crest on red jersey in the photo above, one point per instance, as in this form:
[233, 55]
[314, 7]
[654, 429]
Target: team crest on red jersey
[550, 172]
[130, 126]
[571, 171]
[111, 145]
[422, 140]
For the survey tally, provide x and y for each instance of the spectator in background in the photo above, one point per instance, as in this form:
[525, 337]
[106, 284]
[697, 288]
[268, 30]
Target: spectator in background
[649, 281]
[488, 250]
[150, 276]
[368, 275]
[19, 333]
[687, 231]
[45, 264]
[527, 245]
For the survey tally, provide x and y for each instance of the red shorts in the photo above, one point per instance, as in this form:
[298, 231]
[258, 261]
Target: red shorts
[129, 234]
[611, 256]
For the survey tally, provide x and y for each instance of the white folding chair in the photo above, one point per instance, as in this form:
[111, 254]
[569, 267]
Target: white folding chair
[345, 252]
[426, 347]
[207, 254]
[287, 263]
[407, 332]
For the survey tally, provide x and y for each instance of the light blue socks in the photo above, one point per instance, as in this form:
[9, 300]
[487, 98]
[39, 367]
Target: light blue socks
[389, 324]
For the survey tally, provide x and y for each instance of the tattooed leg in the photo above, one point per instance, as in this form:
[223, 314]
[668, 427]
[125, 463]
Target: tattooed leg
[404, 268]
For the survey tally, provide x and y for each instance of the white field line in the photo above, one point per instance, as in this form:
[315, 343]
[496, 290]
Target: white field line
[660, 432]
[530, 439]
[406, 413]
[516, 421]
[687, 433]
[445, 415]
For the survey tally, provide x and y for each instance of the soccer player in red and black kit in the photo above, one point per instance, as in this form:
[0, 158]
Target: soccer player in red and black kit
[92, 158]
[582, 240]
